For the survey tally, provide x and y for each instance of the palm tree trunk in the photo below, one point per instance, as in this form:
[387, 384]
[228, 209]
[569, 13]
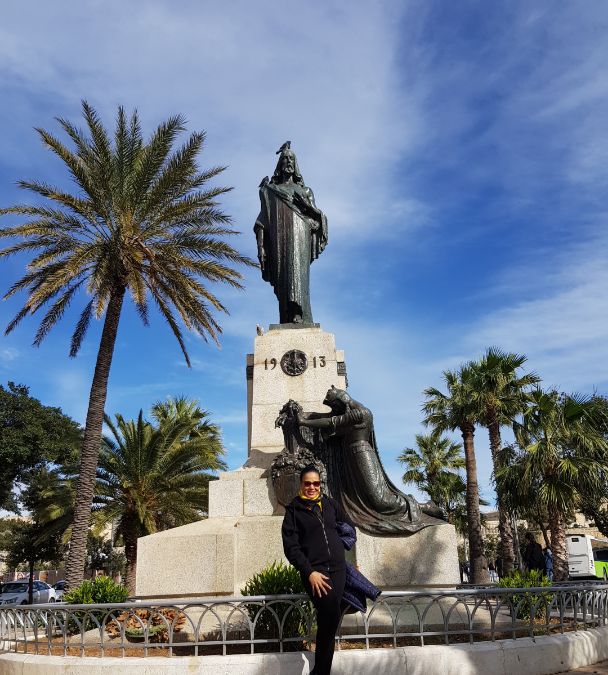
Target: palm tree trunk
[92, 441]
[543, 529]
[479, 564]
[131, 556]
[557, 526]
[30, 583]
[507, 550]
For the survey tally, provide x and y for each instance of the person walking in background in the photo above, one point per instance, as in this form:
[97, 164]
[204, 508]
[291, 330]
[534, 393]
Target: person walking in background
[548, 563]
[492, 571]
[312, 544]
[533, 554]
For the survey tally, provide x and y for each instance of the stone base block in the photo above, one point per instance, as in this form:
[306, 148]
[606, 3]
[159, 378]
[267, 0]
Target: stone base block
[427, 558]
[226, 498]
[258, 543]
[210, 557]
[196, 559]
[246, 492]
[218, 555]
[259, 499]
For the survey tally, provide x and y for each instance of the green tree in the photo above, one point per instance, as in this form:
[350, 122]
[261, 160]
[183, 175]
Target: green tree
[500, 395]
[491, 545]
[102, 555]
[38, 539]
[31, 543]
[455, 410]
[8, 526]
[142, 220]
[31, 434]
[454, 495]
[433, 466]
[153, 477]
[562, 455]
[594, 503]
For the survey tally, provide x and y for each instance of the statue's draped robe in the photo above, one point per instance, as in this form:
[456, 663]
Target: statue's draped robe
[293, 236]
[358, 480]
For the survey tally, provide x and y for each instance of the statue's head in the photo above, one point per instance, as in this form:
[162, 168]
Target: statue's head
[287, 166]
[337, 399]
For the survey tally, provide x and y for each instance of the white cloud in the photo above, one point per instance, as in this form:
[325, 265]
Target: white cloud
[251, 75]
[9, 354]
[564, 329]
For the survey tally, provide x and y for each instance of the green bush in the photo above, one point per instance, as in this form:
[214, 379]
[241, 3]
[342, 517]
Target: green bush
[279, 579]
[522, 603]
[98, 591]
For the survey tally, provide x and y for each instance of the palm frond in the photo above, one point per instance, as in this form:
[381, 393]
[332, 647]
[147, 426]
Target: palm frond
[145, 219]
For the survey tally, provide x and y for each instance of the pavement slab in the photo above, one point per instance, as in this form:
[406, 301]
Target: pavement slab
[599, 668]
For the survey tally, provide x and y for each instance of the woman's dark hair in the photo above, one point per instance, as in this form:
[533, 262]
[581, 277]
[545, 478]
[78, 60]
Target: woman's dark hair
[310, 468]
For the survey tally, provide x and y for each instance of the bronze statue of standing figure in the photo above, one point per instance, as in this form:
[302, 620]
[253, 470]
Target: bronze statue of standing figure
[291, 233]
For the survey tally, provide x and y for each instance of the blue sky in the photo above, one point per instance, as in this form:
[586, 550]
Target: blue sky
[459, 151]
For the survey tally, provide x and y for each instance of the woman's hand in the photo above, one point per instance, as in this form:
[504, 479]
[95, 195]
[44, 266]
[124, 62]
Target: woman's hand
[319, 584]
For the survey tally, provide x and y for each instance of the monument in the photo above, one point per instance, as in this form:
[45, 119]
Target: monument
[298, 412]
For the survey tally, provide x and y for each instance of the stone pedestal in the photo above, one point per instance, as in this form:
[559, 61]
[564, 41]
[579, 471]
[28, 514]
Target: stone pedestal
[216, 556]
[427, 558]
[272, 380]
[242, 535]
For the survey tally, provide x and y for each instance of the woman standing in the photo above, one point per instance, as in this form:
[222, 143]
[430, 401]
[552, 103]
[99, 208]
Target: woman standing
[313, 546]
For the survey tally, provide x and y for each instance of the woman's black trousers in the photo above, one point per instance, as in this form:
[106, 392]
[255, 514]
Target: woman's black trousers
[328, 619]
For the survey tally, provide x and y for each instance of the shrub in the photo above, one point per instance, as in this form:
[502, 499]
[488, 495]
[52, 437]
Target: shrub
[522, 603]
[98, 591]
[278, 579]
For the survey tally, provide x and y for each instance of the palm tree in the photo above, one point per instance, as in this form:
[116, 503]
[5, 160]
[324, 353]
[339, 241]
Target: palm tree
[143, 221]
[153, 477]
[563, 455]
[500, 394]
[594, 503]
[452, 411]
[433, 467]
[187, 411]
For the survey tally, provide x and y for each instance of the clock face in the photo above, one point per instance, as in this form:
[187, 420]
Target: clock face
[294, 362]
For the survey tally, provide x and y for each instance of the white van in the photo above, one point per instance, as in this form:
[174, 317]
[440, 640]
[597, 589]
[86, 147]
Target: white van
[587, 556]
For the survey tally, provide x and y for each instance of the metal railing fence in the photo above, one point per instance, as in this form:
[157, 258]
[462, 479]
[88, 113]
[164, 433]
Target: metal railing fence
[230, 625]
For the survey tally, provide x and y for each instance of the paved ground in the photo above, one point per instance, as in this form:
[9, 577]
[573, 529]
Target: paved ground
[599, 668]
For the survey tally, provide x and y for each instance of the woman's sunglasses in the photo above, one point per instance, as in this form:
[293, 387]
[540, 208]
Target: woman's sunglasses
[312, 483]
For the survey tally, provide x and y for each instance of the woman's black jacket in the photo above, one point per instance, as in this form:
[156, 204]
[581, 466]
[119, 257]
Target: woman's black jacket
[310, 538]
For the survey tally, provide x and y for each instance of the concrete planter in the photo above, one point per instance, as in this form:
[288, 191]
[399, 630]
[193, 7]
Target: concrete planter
[541, 656]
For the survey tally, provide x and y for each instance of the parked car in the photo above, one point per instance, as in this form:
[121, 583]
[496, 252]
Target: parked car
[16, 593]
[59, 590]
